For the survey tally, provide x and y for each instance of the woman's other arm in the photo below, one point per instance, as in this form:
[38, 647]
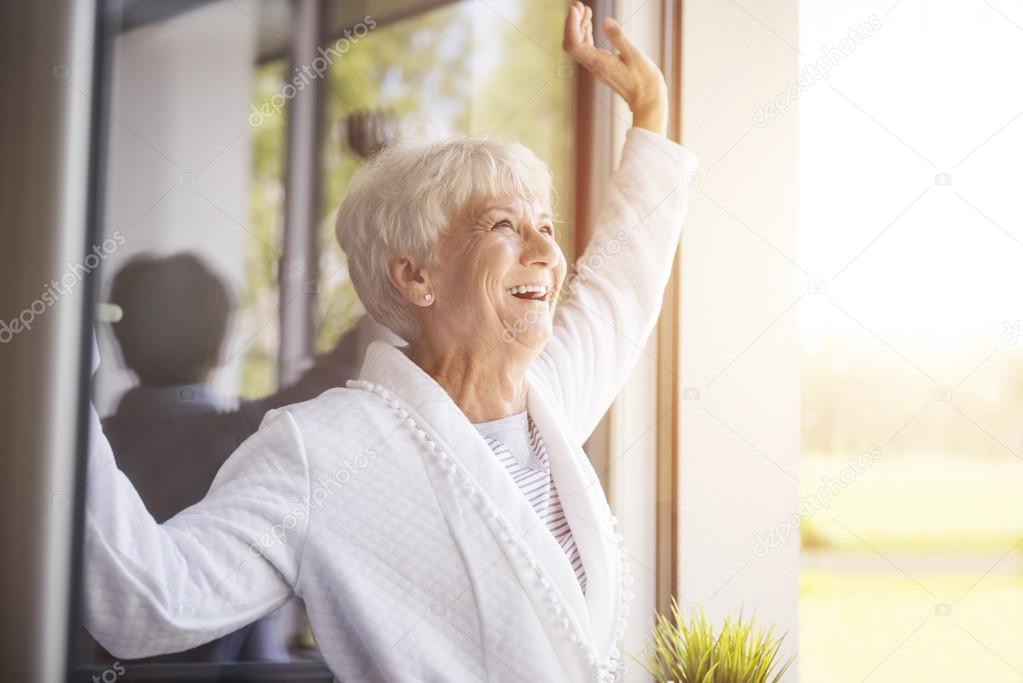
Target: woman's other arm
[612, 297]
[209, 570]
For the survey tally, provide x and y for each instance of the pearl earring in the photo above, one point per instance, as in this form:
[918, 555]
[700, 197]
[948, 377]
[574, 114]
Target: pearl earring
[429, 298]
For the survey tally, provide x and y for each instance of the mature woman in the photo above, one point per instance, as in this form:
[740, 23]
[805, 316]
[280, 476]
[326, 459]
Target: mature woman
[438, 517]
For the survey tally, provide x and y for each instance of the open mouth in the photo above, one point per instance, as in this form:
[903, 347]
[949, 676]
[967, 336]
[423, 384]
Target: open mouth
[531, 292]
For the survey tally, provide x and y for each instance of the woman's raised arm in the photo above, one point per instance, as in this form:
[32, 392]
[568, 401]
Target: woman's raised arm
[612, 297]
[214, 567]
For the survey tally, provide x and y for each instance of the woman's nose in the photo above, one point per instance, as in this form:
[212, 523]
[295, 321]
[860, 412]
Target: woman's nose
[538, 249]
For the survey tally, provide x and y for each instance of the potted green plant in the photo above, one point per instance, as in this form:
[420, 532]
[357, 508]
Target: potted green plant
[690, 652]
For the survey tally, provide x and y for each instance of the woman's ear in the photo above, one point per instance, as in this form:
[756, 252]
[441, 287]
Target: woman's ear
[412, 281]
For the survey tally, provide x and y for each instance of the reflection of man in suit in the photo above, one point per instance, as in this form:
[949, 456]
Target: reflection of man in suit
[170, 434]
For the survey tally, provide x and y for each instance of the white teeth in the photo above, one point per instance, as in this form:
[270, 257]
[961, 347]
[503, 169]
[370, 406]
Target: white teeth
[523, 289]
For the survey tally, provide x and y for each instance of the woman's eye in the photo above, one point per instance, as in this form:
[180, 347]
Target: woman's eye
[547, 229]
[504, 223]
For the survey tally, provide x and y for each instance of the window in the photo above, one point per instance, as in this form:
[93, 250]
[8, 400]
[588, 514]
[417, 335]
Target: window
[912, 471]
[196, 183]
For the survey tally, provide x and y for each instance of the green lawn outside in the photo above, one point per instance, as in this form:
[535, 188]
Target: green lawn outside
[908, 503]
[885, 629]
[888, 608]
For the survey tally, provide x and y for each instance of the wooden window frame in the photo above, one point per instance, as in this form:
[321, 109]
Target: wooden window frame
[595, 147]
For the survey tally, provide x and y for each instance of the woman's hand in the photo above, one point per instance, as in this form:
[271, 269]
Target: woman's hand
[628, 71]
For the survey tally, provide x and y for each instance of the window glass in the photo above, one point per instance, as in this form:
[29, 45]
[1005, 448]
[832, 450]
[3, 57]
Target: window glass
[412, 78]
[192, 202]
[259, 296]
[195, 184]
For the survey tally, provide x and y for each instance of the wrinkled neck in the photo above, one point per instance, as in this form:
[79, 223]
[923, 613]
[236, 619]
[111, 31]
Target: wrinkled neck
[485, 382]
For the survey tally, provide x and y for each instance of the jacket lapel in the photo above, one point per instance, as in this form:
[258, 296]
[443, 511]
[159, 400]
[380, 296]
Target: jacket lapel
[431, 407]
[589, 517]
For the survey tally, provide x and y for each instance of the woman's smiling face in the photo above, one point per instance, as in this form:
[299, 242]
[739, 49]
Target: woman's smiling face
[498, 274]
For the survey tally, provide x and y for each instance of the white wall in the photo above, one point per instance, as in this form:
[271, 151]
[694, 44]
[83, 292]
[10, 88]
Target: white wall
[178, 154]
[740, 416]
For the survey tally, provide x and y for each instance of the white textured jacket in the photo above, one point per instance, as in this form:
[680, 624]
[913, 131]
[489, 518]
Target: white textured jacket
[382, 507]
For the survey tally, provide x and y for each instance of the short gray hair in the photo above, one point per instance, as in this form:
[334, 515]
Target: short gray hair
[402, 200]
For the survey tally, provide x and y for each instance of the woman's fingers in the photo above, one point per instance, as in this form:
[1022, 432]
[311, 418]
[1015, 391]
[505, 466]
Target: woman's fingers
[570, 37]
[615, 34]
[629, 72]
[617, 68]
[578, 38]
[578, 29]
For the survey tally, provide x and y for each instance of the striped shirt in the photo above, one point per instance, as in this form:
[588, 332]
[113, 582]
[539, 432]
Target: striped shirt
[517, 443]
